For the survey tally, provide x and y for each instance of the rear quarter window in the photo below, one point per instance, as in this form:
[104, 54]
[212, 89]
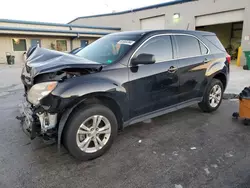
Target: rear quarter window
[204, 50]
[215, 41]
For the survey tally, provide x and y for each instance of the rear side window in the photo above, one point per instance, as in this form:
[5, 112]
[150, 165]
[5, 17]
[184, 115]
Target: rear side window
[204, 50]
[160, 47]
[215, 41]
[188, 46]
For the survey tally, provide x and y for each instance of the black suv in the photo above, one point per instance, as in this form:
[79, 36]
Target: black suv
[82, 100]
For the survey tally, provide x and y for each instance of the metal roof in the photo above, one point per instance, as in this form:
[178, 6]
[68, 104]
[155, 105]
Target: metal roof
[136, 10]
[51, 31]
[57, 24]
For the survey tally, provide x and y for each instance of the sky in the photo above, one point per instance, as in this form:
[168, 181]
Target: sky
[63, 11]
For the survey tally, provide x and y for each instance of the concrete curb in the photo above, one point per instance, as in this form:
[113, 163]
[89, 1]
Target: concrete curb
[230, 96]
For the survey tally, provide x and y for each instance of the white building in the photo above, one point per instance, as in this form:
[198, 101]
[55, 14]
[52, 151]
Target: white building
[17, 36]
[229, 19]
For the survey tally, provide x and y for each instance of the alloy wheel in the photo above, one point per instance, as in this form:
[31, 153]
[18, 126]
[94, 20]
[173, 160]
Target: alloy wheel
[215, 96]
[93, 134]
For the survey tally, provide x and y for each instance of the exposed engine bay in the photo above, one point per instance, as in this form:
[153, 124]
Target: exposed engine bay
[62, 75]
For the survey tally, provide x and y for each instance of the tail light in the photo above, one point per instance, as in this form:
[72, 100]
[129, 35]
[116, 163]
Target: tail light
[228, 58]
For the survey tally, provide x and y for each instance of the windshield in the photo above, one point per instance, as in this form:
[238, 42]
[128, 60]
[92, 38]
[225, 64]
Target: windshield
[108, 49]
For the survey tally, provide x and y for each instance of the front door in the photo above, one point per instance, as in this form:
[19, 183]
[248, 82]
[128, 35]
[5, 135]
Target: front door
[35, 42]
[84, 43]
[153, 87]
[193, 58]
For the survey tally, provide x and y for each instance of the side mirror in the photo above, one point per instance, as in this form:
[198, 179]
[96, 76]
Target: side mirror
[143, 59]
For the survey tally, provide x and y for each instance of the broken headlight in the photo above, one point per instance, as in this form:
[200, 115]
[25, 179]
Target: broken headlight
[39, 91]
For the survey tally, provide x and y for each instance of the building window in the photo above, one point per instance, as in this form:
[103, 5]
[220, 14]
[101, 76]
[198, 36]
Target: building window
[61, 45]
[19, 44]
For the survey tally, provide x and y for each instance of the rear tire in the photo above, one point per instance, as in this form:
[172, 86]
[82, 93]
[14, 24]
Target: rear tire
[212, 97]
[83, 128]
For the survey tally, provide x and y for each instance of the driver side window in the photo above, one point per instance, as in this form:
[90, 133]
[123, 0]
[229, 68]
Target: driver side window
[159, 46]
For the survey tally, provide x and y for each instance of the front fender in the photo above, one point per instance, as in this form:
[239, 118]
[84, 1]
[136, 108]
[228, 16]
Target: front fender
[76, 89]
[79, 86]
[80, 89]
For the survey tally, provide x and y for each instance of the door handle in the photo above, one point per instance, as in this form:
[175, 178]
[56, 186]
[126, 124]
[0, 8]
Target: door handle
[172, 69]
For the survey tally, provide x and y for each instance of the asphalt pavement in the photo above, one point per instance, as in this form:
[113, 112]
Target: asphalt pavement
[238, 79]
[184, 149]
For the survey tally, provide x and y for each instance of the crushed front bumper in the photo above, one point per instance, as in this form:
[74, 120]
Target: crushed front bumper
[28, 121]
[37, 121]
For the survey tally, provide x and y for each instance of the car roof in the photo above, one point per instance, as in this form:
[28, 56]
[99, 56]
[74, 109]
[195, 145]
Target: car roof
[154, 32]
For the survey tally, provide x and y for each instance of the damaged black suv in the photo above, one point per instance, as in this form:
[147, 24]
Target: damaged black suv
[82, 100]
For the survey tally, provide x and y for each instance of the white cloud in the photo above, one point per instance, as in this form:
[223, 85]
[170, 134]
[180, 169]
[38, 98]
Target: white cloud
[63, 11]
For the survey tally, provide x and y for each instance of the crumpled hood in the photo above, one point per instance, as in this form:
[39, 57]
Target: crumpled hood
[41, 60]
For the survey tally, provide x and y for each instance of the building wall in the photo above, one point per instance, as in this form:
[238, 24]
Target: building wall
[77, 42]
[223, 31]
[48, 33]
[6, 45]
[188, 13]
[46, 42]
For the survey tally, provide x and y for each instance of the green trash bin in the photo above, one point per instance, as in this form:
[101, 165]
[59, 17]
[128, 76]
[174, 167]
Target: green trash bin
[12, 59]
[8, 57]
[247, 55]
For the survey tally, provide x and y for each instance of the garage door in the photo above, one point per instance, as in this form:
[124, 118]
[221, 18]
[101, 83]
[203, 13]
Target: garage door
[219, 18]
[153, 23]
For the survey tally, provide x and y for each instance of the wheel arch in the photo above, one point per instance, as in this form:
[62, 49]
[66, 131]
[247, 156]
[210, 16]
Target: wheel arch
[222, 77]
[106, 100]
[93, 98]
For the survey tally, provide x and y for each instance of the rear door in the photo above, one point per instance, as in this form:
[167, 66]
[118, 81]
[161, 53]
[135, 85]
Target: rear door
[155, 86]
[193, 58]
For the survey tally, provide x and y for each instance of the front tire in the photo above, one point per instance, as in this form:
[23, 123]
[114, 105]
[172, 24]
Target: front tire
[212, 97]
[90, 132]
